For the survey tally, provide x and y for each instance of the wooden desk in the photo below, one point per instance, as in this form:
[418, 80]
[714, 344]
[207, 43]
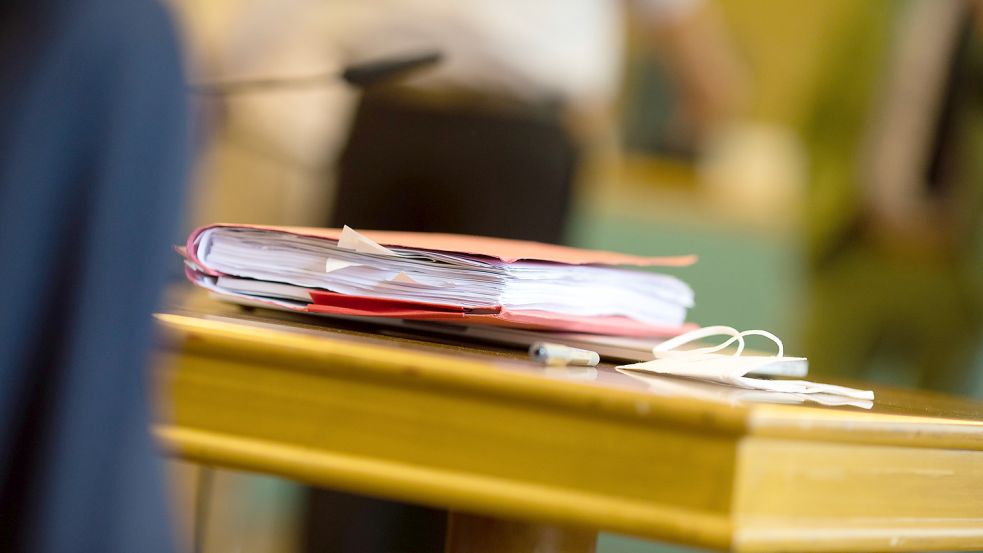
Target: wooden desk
[487, 432]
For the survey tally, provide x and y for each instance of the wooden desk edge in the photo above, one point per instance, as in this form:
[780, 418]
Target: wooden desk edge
[446, 489]
[307, 353]
[760, 430]
[183, 334]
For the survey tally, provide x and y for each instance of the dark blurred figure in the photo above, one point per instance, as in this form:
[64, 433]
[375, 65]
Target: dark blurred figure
[898, 198]
[462, 164]
[93, 159]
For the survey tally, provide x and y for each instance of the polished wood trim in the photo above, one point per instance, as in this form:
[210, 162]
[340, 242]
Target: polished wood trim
[504, 497]
[297, 352]
[814, 424]
[794, 495]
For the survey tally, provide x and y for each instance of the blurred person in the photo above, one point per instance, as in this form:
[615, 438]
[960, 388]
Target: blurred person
[896, 207]
[532, 74]
[490, 141]
[94, 142]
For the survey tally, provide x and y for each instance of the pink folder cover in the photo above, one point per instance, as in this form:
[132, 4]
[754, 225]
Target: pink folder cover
[498, 248]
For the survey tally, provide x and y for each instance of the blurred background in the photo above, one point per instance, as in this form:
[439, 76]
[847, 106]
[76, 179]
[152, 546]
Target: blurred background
[822, 157]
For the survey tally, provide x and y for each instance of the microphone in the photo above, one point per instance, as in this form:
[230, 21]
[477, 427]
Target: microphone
[362, 75]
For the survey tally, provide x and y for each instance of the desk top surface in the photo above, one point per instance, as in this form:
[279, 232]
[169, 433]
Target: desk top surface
[896, 416]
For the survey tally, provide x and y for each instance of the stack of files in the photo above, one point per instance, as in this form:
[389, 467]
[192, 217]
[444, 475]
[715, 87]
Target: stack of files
[441, 277]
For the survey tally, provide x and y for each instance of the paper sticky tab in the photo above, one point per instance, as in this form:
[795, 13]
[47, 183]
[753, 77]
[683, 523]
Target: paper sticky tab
[331, 265]
[403, 277]
[418, 282]
[352, 240]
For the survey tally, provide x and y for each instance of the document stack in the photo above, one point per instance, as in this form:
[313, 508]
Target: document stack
[440, 277]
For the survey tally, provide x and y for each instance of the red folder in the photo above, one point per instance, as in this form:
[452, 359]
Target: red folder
[508, 251]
